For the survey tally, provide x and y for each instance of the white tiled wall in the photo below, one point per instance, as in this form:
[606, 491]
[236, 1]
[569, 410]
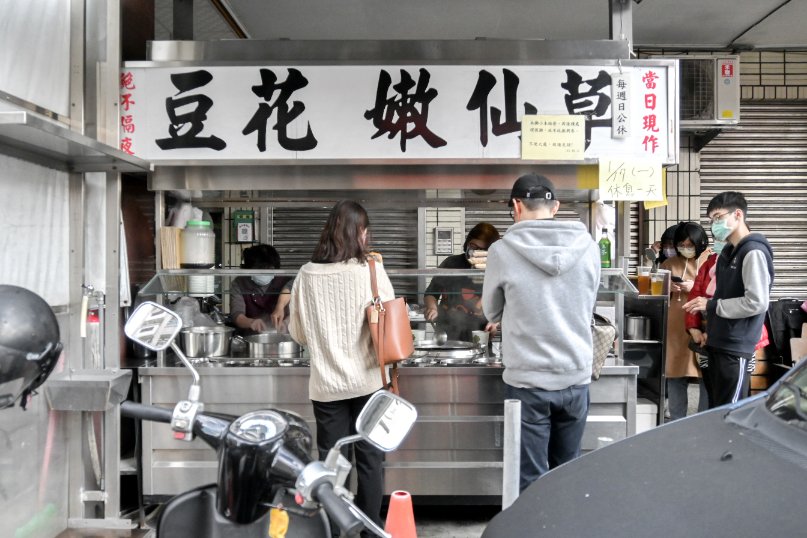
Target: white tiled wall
[764, 75]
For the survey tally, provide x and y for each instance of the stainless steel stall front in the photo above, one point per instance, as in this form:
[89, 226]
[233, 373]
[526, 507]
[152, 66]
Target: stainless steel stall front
[455, 448]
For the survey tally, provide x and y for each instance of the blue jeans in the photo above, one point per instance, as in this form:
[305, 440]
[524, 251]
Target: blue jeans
[678, 396]
[552, 424]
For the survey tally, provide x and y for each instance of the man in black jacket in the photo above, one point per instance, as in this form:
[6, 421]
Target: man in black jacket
[736, 312]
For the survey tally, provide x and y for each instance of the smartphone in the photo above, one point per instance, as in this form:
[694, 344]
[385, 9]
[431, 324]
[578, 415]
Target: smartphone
[676, 279]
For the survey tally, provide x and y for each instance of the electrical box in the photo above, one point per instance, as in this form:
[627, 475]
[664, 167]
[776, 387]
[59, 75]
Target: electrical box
[243, 222]
[443, 241]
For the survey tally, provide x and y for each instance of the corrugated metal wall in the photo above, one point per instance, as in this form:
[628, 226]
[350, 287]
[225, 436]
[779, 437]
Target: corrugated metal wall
[501, 217]
[295, 231]
[498, 217]
[765, 157]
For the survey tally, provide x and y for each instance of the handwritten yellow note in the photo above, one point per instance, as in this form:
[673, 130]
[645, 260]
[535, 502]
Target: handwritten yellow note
[630, 180]
[553, 137]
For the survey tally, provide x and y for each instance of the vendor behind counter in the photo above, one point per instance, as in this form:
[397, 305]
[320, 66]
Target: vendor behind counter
[260, 302]
[455, 303]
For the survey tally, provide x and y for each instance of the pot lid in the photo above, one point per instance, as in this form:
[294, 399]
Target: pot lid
[431, 345]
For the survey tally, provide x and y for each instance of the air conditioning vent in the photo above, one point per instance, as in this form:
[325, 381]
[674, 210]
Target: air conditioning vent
[709, 92]
[697, 90]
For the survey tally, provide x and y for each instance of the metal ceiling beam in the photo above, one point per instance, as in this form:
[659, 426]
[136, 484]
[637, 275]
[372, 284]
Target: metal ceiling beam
[620, 27]
[183, 20]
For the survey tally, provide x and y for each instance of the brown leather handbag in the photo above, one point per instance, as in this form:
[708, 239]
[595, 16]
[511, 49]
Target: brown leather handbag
[390, 331]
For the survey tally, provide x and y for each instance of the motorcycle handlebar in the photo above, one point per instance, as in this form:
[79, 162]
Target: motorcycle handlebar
[336, 508]
[145, 412]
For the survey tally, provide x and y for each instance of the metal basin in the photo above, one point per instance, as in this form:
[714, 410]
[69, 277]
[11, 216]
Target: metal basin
[431, 345]
[452, 353]
[206, 341]
[272, 346]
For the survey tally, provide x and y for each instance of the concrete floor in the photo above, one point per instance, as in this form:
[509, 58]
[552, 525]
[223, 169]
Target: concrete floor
[430, 522]
[453, 522]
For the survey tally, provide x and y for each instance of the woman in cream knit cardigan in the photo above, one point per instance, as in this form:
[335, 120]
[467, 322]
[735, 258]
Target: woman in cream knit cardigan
[327, 316]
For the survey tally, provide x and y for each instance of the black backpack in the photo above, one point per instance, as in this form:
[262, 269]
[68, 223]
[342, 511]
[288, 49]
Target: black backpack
[785, 318]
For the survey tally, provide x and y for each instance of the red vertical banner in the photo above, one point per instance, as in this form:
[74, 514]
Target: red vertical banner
[127, 104]
[650, 141]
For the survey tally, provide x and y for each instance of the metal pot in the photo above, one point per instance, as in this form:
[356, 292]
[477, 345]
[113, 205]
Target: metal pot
[637, 327]
[272, 345]
[206, 341]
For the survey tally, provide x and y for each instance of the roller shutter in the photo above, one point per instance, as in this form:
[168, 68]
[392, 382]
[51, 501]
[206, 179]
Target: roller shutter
[296, 231]
[765, 157]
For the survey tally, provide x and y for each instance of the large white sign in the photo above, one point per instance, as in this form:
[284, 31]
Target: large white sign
[384, 112]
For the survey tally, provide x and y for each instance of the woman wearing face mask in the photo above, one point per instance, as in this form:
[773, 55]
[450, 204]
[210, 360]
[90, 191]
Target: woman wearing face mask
[704, 286]
[455, 303]
[259, 302]
[666, 245]
[691, 244]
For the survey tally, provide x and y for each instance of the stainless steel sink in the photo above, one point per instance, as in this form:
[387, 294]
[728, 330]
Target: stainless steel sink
[87, 390]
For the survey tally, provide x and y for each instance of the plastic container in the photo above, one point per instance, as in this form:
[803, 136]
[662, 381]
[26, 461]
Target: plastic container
[198, 249]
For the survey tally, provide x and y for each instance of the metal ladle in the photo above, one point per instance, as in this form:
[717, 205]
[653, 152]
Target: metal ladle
[440, 336]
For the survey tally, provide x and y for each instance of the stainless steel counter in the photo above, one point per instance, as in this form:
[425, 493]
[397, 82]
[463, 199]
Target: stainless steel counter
[454, 449]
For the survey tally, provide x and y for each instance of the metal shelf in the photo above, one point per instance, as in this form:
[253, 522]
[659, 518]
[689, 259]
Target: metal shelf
[31, 138]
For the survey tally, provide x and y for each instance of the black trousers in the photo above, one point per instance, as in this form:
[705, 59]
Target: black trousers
[726, 378]
[338, 419]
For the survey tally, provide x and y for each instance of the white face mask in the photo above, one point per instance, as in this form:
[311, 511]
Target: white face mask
[687, 252]
[262, 280]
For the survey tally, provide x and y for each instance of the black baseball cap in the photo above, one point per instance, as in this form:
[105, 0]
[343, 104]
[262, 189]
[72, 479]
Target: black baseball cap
[532, 187]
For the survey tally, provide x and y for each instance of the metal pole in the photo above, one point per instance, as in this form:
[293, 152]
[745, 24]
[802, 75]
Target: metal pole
[512, 452]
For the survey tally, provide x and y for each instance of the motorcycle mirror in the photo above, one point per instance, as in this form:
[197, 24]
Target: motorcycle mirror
[385, 420]
[153, 326]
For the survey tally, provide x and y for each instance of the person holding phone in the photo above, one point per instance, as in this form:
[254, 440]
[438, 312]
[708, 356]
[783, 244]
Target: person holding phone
[691, 243]
[455, 303]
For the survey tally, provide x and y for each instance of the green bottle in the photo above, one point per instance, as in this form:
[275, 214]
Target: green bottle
[605, 250]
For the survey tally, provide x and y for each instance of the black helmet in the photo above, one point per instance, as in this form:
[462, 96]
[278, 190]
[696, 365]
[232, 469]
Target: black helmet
[29, 343]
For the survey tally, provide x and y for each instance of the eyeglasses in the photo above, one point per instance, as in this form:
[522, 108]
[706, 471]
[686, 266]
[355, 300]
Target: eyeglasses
[718, 217]
[515, 201]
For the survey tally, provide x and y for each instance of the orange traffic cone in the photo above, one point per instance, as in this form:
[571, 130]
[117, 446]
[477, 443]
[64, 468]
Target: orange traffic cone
[400, 518]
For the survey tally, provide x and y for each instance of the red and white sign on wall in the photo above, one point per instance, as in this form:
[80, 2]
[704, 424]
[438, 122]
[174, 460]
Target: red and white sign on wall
[727, 70]
[365, 112]
[127, 110]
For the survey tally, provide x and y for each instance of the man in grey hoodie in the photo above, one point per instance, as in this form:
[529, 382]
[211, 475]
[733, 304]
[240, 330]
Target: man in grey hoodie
[541, 282]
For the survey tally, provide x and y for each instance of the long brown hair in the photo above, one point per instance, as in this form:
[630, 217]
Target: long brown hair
[340, 239]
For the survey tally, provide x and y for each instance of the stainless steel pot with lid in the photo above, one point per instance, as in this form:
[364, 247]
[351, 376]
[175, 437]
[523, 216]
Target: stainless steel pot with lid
[206, 341]
[637, 327]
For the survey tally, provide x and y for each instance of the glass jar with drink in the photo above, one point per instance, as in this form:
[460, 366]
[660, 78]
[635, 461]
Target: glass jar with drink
[643, 282]
[657, 282]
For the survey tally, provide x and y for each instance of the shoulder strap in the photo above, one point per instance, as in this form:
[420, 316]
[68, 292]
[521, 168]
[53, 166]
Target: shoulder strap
[373, 283]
